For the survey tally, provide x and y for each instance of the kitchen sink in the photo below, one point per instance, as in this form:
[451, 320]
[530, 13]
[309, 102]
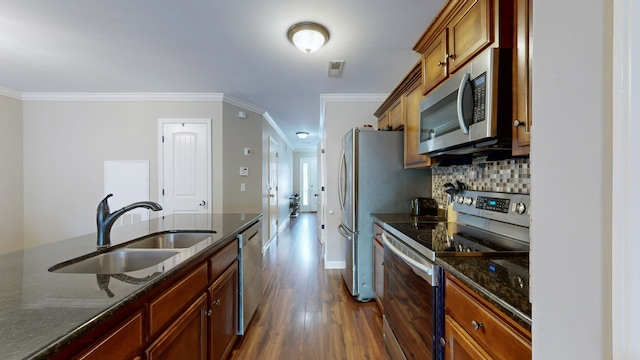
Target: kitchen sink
[172, 240]
[114, 262]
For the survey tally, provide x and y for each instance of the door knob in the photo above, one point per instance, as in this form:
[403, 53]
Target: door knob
[202, 203]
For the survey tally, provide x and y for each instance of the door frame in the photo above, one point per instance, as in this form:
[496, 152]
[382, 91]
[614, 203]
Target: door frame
[272, 174]
[161, 123]
[301, 161]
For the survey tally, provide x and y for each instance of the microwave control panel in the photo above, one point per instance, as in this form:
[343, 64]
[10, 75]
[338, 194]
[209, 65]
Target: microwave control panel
[479, 98]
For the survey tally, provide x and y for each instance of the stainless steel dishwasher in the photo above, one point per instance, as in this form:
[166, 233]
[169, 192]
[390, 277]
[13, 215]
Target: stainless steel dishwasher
[250, 273]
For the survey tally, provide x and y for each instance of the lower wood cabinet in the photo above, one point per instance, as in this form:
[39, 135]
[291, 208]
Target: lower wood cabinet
[123, 342]
[186, 337]
[223, 301]
[378, 264]
[193, 317]
[475, 329]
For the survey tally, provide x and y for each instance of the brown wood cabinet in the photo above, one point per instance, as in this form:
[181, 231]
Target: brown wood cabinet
[412, 159]
[461, 30]
[193, 316]
[186, 337]
[378, 264]
[223, 302]
[475, 328]
[393, 117]
[522, 78]
[404, 103]
[123, 342]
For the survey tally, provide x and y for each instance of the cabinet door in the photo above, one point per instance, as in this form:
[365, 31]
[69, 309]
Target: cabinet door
[411, 127]
[434, 63]
[522, 79]
[459, 345]
[121, 343]
[383, 120]
[469, 33]
[396, 115]
[223, 324]
[378, 264]
[186, 338]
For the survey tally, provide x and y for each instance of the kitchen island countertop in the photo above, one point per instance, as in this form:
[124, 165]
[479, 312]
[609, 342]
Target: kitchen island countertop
[41, 312]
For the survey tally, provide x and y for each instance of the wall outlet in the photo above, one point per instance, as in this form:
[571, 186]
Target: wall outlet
[248, 151]
[244, 171]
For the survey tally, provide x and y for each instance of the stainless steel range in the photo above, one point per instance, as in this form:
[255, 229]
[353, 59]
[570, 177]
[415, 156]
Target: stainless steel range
[486, 222]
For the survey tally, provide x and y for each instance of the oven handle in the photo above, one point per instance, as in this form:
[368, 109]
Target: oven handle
[427, 272]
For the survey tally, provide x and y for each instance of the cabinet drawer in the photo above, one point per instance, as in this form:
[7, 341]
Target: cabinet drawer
[167, 306]
[121, 343]
[484, 324]
[222, 259]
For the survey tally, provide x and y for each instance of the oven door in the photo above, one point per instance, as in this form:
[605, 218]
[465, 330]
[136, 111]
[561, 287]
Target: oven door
[412, 296]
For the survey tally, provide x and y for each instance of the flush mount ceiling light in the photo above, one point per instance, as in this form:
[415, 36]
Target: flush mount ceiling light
[308, 36]
[302, 134]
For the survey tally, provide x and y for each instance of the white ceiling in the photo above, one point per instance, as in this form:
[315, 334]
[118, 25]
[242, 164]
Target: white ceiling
[239, 48]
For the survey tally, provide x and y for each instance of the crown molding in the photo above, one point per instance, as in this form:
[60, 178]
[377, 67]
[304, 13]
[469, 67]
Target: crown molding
[10, 93]
[325, 98]
[47, 96]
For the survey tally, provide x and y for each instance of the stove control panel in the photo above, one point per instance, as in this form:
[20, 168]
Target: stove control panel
[506, 207]
[493, 204]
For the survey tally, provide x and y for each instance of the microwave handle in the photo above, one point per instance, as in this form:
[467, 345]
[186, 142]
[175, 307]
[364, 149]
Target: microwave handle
[463, 85]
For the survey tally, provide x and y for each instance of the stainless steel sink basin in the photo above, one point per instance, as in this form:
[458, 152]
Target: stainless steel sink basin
[174, 240]
[115, 262]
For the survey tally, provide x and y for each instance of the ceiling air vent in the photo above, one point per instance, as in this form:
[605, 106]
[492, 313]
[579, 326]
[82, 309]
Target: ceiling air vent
[335, 68]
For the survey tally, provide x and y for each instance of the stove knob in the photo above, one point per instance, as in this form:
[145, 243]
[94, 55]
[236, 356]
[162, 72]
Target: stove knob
[520, 208]
[468, 201]
[460, 199]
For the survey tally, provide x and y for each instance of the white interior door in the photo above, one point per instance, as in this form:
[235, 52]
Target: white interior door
[308, 185]
[185, 176]
[272, 187]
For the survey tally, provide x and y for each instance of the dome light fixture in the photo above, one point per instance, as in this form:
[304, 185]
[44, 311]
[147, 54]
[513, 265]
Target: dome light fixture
[302, 134]
[308, 36]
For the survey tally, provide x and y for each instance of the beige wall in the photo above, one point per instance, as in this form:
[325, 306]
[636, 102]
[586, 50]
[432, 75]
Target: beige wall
[240, 134]
[11, 205]
[66, 144]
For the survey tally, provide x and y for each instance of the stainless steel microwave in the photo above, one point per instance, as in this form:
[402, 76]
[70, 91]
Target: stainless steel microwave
[471, 111]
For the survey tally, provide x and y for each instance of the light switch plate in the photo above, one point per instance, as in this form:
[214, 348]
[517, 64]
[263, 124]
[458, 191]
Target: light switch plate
[244, 171]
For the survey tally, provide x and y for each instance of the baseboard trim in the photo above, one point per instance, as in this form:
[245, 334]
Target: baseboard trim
[335, 264]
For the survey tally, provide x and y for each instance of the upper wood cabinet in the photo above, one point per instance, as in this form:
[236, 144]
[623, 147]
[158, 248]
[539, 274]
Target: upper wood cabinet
[392, 117]
[522, 78]
[412, 127]
[461, 30]
[403, 107]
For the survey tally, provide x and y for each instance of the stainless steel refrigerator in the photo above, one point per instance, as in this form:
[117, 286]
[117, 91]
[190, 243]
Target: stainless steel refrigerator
[372, 179]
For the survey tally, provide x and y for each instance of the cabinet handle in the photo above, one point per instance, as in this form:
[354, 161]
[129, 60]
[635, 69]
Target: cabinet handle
[476, 324]
[440, 63]
[209, 313]
[216, 302]
[517, 123]
[443, 341]
[451, 56]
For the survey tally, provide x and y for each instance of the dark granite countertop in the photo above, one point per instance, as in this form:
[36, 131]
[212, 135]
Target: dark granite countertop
[481, 276]
[478, 272]
[42, 311]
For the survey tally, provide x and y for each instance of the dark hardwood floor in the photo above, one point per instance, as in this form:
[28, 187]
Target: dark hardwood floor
[307, 312]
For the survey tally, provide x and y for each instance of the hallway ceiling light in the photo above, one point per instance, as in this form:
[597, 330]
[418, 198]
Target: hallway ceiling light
[302, 134]
[308, 36]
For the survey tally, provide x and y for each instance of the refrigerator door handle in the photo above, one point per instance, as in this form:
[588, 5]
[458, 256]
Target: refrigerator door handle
[341, 180]
[344, 232]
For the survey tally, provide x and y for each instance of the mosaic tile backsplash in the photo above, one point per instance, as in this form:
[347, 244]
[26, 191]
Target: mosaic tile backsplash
[511, 175]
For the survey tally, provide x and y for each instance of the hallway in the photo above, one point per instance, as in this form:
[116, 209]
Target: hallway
[306, 311]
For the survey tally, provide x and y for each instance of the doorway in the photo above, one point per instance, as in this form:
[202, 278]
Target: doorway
[272, 187]
[308, 185]
[184, 166]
